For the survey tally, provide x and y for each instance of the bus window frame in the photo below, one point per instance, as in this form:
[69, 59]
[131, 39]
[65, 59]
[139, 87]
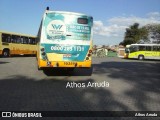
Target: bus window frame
[150, 48]
[135, 47]
[158, 48]
[6, 38]
[155, 49]
[143, 48]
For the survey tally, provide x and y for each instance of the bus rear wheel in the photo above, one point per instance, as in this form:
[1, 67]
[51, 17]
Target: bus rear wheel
[5, 53]
[141, 57]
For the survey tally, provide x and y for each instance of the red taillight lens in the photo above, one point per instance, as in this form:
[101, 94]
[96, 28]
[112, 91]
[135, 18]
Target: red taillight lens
[90, 51]
[42, 49]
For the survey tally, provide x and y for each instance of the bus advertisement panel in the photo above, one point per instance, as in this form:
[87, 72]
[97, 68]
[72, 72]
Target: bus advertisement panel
[65, 40]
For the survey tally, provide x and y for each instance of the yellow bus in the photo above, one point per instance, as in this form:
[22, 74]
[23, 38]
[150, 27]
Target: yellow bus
[143, 51]
[65, 40]
[17, 44]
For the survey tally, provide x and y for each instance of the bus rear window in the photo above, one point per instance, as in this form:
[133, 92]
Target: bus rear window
[82, 21]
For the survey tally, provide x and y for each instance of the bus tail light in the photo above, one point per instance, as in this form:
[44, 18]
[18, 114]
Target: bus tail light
[89, 55]
[42, 49]
[87, 58]
[90, 51]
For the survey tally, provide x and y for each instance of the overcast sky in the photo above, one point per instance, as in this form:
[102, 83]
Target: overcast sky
[111, 17]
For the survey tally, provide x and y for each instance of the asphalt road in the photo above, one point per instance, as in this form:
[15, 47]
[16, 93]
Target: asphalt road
[124, 85]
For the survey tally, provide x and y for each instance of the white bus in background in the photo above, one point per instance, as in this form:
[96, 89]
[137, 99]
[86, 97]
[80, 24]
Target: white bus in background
[143, 51]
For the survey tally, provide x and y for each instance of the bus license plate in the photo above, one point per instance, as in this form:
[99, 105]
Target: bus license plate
[69, 63]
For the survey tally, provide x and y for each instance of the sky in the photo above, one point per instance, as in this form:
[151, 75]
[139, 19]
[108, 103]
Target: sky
[111, 17]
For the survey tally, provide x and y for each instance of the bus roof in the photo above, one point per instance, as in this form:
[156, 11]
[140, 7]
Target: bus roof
[145, 44]
[66, 12]
[13, 33]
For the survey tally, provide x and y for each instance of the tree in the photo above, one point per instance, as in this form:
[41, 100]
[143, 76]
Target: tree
[154, 32]
[134, 34]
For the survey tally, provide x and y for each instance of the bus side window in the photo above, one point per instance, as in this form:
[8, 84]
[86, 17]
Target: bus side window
[158, 48]
[141, 48]
[6, 38]
[3, 37]
[18, 39]
[148, 48]
[133, 49]
[32, 41]
[13, 39]
[22, 40]
[154, 48]
[29, 41]
[25, 40]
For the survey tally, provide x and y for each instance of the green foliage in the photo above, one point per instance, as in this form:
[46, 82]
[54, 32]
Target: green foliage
[134, 34]
[154, 32]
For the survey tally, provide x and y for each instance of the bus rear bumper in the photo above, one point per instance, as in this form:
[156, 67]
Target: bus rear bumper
[64, 64]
